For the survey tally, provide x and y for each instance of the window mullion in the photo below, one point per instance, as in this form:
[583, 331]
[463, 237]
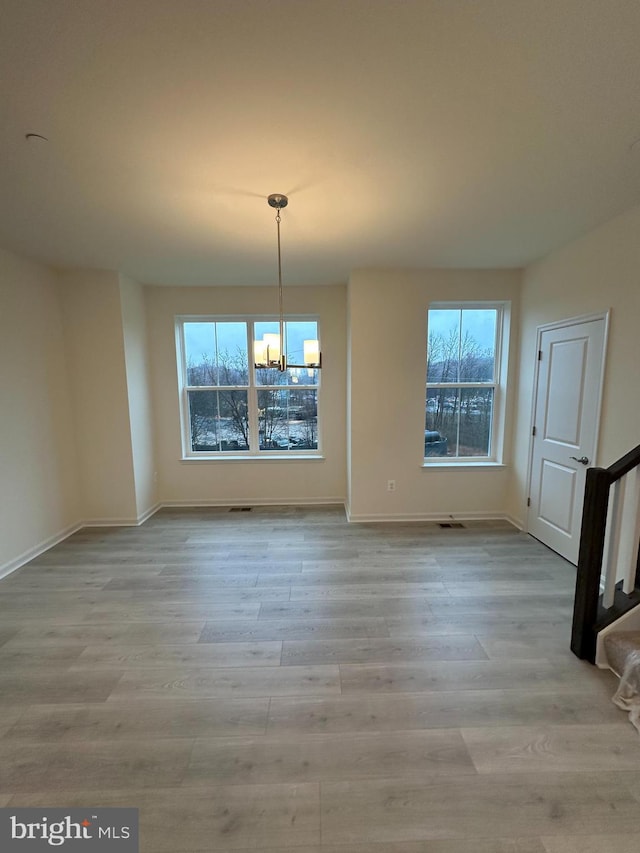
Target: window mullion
[220, 416]
[492, 423]
[461, 411]
[252, 393]
[465, 385]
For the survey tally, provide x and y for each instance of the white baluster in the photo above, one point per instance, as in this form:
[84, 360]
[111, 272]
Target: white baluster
[614, 522]
[630, 532]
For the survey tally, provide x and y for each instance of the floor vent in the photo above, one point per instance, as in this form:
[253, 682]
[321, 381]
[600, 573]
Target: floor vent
[240, 509]
[449, 524]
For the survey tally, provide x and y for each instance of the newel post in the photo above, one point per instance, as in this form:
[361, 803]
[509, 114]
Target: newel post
[592, 535]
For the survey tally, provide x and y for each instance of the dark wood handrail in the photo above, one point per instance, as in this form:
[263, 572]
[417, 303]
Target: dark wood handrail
[627, 463]
[589, 616]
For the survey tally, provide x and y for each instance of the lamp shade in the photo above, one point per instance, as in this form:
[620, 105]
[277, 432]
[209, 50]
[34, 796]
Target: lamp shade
[259, 352]
[272, 344]
[311, 352]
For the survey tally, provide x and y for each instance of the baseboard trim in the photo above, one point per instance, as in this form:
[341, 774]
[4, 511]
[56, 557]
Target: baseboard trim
[40, 548]
[122, 522]
[429, 516]
[252, 502]
[56, 539]
[148, 513]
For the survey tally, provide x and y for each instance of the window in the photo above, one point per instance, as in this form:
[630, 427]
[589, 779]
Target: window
[230, 407]
[463, 412]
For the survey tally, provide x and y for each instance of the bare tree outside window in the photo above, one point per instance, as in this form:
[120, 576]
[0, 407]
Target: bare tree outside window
[218, 417]
[461, 381]
[230, 404]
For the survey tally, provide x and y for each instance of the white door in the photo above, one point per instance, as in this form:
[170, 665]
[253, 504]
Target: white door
[566, 416]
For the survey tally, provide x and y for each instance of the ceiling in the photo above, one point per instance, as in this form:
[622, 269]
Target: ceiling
[439, 133]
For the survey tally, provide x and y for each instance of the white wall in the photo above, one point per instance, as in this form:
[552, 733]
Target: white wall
[38, 471]
[598, 272]
[134, 328]
[387, 352]
[251, 481]
[93, 390]
[97, 370]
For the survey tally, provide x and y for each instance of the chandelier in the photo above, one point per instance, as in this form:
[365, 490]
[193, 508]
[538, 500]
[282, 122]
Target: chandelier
[270, 351]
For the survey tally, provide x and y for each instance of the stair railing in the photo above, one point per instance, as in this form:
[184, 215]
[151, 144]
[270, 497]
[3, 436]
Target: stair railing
[608, 579]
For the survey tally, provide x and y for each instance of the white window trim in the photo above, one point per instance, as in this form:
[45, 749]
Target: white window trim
[189, 455]
[499, 384]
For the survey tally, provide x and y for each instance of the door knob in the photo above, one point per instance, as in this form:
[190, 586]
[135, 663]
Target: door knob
[583, 460]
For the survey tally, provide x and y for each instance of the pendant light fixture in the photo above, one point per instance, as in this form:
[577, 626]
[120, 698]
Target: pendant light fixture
[270, 351]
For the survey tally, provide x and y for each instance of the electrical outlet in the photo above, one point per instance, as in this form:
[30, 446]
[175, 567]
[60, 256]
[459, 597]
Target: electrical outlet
[391, 485]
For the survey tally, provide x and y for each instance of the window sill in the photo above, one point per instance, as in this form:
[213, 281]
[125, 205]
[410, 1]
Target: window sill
[275, 457]
[467, 466]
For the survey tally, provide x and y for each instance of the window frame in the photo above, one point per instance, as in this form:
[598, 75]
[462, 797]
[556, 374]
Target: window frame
[251, 388]
[499, 384]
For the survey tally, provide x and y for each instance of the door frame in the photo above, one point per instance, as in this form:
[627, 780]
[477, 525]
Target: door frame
[548, 327]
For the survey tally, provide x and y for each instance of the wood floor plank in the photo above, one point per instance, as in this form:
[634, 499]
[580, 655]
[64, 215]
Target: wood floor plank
[511, 645]
[221, 567]
[556, 804]
[320, 553]
[98, 557]
[44, 685]
[361, 574]
[113, 632]
[480, 560]
[454, 647]
[369, 609]
[19, 657]
[592, 843]
[205, 584]
[182, 683]
[27, 584]
[170, 612]
[391, 712]
[17, 618]
[111, 721]
[635, 789]
[293, 629]
[95, 765]
[542, 606]
[9, 717]
[192, 655]
[409, 755]
[215, 597]
[519, 586]
[462, 675]
[563, 748]
[369, 590]
[524, 545]
[276, 534]
[365, 570]
[378, 562]
[50, 574]
[48, 600]
[529, 624]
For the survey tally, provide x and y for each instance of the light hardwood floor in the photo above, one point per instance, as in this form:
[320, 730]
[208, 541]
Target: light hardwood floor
[281, 680]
